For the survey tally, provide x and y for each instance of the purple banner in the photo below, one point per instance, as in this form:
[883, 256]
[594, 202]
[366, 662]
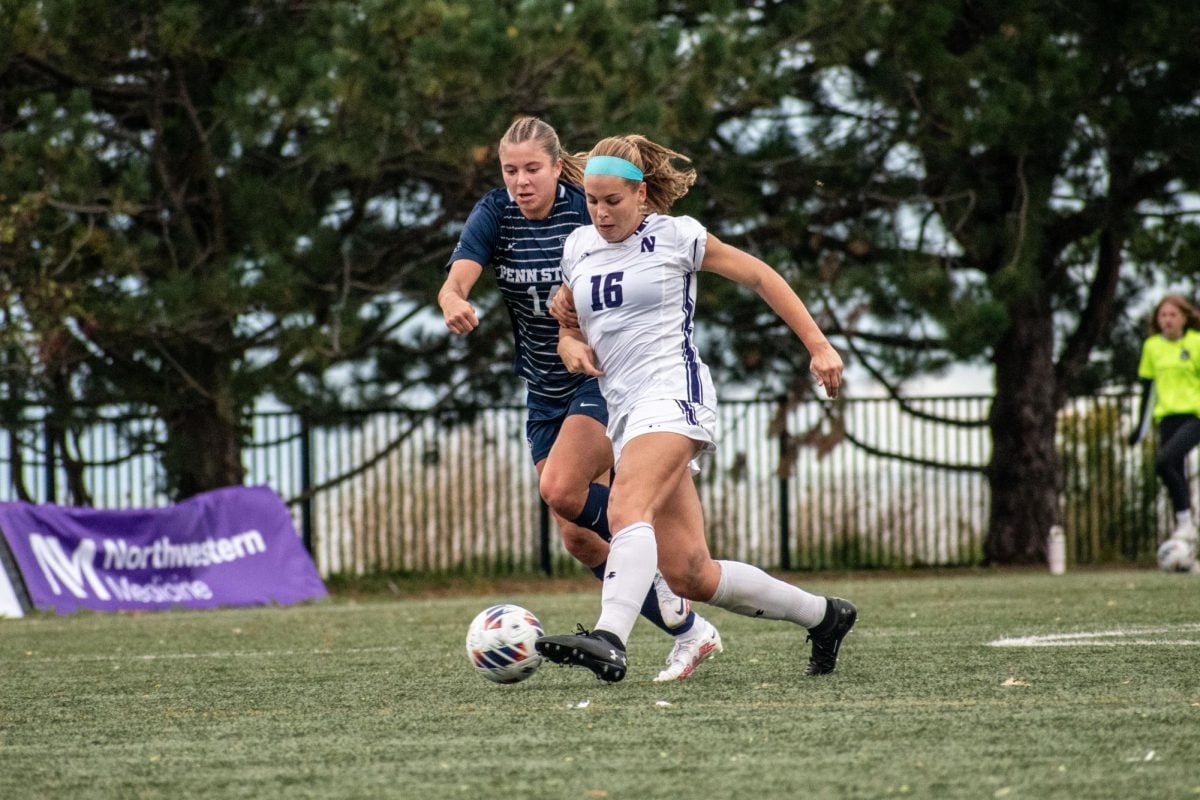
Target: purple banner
[235, 546]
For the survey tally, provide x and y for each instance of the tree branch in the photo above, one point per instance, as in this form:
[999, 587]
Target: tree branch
[892, 390]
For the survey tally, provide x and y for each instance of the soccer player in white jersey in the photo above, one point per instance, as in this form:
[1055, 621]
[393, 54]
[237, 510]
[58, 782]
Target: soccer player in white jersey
[519, 231]
[627, 310]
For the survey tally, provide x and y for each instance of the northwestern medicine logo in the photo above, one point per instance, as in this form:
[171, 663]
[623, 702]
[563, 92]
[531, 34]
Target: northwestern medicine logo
[77, 573]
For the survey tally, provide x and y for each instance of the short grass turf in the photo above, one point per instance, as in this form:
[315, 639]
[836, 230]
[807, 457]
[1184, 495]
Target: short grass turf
[372, 696]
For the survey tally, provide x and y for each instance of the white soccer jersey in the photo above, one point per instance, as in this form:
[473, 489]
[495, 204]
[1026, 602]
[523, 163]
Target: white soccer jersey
[636, 301]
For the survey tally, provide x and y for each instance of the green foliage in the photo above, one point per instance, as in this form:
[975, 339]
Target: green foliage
[976, 183]
[206, 205]
[970, 138]
[209, 204]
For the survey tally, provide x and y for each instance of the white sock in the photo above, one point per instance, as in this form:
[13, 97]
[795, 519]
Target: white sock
[749, 591]
[1183, 519]
[632, 560]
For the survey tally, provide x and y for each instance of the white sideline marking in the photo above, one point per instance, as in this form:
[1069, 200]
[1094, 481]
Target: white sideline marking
[1119, 637]
[216, 654]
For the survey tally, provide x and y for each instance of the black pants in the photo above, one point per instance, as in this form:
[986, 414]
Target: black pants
[1177, 435]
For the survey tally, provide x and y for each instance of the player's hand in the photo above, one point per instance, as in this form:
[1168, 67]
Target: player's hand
[826, 367]
[578, 356]
[1134, 438]
[459, 314]
[562, 308]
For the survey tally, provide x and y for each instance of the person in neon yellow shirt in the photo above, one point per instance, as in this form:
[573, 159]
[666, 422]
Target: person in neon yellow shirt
[1170, 366]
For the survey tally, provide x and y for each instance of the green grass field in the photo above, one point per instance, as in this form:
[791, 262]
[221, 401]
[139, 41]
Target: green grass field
[373, 697]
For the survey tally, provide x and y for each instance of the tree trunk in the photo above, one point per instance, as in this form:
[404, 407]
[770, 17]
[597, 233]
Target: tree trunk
[1024, 471]
[203, 450]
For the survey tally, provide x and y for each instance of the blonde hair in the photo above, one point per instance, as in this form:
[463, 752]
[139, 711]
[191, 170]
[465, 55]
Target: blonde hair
[532, 129]
[1191, 317]
[665, 183]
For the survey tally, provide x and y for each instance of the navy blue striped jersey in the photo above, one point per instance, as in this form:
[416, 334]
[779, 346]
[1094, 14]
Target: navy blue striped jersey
[525, 255]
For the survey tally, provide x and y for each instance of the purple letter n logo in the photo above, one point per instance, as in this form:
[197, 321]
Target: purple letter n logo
[647, 244]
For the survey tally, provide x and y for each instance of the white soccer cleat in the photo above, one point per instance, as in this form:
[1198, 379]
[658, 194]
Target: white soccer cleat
[674, 609]
[690, 652]
[1185, 532]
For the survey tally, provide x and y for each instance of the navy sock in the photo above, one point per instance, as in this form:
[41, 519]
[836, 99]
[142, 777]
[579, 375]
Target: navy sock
[594, 516]
[650, 608]
[651, 612]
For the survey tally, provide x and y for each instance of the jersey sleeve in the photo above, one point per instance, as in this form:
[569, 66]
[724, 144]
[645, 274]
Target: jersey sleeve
[691, 241]
[1191, 343]
[1146, 364]
[479, 236]
[570, 254]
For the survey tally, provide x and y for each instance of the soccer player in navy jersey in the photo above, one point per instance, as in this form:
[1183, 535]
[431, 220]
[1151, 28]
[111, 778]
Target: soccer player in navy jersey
[629, 297]
[519, 232]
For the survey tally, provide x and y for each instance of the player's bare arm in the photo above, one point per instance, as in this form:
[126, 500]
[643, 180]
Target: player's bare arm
[562, 307]
[452, 297]
[576, 353]
[573, 349]
[753, 273]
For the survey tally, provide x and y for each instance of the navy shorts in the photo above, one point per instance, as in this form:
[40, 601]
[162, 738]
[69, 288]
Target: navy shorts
[547, 416]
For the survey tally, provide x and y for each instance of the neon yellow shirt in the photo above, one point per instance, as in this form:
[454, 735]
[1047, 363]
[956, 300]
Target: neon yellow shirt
[1174, 366]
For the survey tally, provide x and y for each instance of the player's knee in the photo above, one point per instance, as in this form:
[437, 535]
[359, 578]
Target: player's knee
[563, 496]
[687, 587]
[1164, 467]
[697, 586]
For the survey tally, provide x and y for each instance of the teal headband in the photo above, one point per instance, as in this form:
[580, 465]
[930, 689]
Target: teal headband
[611, 165]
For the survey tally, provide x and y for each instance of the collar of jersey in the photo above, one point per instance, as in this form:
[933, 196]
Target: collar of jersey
[633, 236]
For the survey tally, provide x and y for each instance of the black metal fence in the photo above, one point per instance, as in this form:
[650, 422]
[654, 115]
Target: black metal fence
[864, 483]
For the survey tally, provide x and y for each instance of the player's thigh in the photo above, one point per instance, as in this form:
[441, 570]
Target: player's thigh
[581, 453]
[652, 465]
[1180, 436]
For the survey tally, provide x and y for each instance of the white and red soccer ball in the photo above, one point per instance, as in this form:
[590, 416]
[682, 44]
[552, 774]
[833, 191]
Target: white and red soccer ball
[500, 643]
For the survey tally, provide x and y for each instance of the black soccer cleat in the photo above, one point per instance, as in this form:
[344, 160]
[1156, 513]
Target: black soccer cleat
[827, 637]
[603, 655]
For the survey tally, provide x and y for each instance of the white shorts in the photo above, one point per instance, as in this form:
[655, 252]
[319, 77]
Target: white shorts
[696, 421]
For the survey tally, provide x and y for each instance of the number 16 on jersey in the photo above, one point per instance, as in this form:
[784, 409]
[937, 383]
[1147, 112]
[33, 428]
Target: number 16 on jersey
[606, 291]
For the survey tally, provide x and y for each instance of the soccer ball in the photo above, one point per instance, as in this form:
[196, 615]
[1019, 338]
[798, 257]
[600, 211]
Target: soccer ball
[1177, 555]
[500, 643]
